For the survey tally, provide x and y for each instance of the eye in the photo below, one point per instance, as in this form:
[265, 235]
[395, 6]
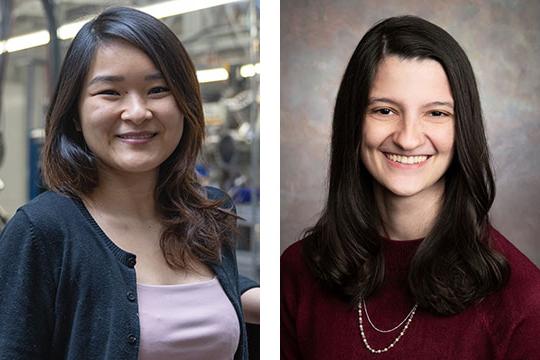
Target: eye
[436, 113]
[383, 111]
[110, 92]
[158, 90]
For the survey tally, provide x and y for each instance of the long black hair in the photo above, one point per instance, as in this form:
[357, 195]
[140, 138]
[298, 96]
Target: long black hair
[454, 266]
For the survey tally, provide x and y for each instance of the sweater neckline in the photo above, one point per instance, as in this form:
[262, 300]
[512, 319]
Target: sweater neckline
[125, 257]
[399, 253]
[393, 242]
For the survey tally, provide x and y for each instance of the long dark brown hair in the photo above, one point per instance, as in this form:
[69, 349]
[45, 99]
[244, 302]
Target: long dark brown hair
[194, 226]
[454, 266]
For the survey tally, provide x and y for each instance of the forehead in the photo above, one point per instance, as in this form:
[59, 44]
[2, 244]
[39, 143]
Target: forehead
[117, 57]
[411, 80]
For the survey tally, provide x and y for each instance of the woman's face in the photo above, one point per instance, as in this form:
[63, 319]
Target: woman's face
[408, 130]
[128, 116]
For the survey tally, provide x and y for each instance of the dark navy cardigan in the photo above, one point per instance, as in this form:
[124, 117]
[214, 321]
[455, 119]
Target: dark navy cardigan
[68, 292]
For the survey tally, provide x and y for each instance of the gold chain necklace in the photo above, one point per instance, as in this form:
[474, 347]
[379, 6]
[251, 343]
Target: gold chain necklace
[405, 321]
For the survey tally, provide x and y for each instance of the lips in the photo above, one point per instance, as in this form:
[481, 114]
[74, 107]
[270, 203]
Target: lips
[399, 161]
[407, 159]
[137, 135]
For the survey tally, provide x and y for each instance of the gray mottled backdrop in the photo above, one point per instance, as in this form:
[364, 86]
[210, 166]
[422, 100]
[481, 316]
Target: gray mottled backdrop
[502, 40]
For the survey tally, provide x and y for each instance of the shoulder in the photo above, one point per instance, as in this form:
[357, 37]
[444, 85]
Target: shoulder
[515, 310]
[46, 214]
[292, 256]
[293, 266]
[48, 204]
[521, 294]
[524, 275]
[34, 236]
[301, 291]
[293, 274]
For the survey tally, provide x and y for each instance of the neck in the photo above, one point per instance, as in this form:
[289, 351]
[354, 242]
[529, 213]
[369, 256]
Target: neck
[409, 217]
[124, 196]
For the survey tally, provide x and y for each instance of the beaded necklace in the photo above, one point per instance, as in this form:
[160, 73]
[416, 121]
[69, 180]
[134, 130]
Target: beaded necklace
[405, 321]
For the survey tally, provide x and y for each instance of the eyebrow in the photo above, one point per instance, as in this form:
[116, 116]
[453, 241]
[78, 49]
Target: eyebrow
[117, 78]
[393, 102]
[154, 76]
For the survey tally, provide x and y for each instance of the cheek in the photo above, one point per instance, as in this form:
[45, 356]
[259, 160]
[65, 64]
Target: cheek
[369, 143]
[95, 122]
[174, 126]
[173, 117]
[372, 136]
[444, 140]
[169, 113]
[93, 114]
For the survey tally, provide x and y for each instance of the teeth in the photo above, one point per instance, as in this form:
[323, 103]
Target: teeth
[407, 159]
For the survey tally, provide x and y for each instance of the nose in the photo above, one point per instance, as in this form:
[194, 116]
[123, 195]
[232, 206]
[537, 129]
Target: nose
[135, 109]
[409, 134]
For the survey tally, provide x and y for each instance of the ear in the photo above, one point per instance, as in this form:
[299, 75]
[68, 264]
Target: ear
[77, 124]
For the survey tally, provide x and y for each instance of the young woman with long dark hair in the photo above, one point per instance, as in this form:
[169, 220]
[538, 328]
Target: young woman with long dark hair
[127, 257]
[403, 262]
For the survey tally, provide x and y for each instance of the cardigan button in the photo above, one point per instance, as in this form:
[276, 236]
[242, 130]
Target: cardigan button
[131, 296]
[132, 339]
[131, 261]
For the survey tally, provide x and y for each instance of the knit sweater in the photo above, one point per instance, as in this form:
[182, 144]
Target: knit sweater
[315, 324]
[68, 292]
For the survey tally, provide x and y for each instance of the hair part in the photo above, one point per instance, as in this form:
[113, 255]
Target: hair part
[195, 227]
[454, 266]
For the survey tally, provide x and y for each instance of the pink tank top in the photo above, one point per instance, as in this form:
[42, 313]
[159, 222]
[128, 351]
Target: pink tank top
[191, 321]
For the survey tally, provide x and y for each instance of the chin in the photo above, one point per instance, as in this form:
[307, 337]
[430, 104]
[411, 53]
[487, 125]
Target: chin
[138, 167]
[403, 190]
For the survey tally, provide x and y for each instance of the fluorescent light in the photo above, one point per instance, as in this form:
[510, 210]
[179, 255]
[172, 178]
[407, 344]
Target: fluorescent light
[37, 133]
[176, 7]
[211, 75]
[26, 41]
[68, 31]
[249, 70]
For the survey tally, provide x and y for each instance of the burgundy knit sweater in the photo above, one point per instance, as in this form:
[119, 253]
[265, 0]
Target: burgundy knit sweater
[315, 324]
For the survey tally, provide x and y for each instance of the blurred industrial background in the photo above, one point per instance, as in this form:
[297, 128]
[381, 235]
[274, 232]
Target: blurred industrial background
[502, 40]
[222, 38]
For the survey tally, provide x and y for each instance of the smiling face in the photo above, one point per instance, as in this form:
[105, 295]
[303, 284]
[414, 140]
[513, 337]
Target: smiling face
[408, 129]
[128, 116]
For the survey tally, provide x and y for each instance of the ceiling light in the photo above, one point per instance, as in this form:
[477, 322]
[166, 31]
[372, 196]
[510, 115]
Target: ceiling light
[211, 75]
[177, 7]
[26, 41]
[68, 31]
[249, 70]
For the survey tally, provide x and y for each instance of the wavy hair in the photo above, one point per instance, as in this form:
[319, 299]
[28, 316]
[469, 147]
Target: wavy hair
[454, 266]
[194, 226]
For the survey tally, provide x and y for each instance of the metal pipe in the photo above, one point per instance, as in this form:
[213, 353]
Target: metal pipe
[54, 44]
[5, 30]
[253, 115]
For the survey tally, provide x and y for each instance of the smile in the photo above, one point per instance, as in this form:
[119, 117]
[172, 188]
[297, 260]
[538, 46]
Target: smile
[407, 160]
[137, 135]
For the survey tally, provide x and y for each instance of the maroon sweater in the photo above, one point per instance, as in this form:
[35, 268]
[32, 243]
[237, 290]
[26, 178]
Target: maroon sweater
[315, 324]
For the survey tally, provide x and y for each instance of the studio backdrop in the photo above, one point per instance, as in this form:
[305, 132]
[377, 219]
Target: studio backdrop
[502, 40]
